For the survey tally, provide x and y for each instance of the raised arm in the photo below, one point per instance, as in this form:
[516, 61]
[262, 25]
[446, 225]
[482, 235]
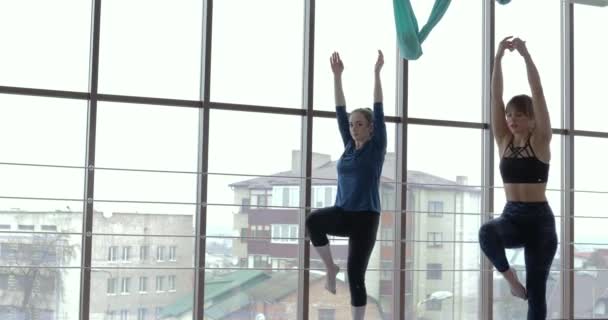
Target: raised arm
[337, 67]
[539, 104]
[499, 123]
[379, 135]
[377, 83]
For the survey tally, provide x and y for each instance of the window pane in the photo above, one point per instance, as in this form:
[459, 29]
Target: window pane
[140, 56]
[360, 22]
[41, 182]
[252, 288]
[430, 148]
[589, 277]
[259, 62]
[587, 164]
[173, 305]
[590, 61]
[267, 141]
[41, 265]
[48, 46]
[261, 233]
[54, 130]
[446, 83]
[146, 137]
[113, 185]
[590, 237]
[520, 19]
[454, 297]
[245, 205]
[450, 238]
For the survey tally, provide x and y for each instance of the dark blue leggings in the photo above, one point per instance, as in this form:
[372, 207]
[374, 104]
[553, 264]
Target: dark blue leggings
[530, 225]
[360, 228]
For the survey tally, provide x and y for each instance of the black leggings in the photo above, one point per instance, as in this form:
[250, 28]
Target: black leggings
[360, 228]
[530, 225]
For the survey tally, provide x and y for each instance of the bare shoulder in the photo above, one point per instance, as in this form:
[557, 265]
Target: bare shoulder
[542, 148]
[503, 143]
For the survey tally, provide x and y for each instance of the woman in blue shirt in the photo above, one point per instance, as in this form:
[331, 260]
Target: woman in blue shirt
[356, 213]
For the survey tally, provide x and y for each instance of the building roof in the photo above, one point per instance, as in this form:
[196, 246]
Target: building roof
[325, 174]
[271, 287]
[218, 287]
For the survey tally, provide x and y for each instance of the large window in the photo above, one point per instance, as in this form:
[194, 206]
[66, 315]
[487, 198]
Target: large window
[55, 56]
[158, 63]
[250, 73]
[136, 138]
[589, 61]
[433, 90]
[369, 23]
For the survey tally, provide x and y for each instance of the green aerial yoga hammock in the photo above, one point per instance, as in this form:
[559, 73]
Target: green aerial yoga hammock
[408, 36]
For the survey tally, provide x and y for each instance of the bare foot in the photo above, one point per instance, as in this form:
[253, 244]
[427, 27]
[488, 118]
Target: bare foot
[330, 279]
[517, 289]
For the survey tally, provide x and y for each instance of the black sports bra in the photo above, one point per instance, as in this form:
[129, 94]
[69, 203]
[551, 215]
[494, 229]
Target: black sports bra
[520, 165]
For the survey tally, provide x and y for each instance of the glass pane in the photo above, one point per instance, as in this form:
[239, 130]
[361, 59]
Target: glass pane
[151, 293]
[453, 295]
[238, 294]
[54, 216]
[113, 185]
[54, 130]
[445, 83]
[151, 48]
[589, 231]
[143, 218]
[41, 182]
[589, 61]
[590, 279]
[252, 237]
[520, 19]
[587, 161]
[591, 196]
[259, 62]
[39, 273]
[146, 137]
[363, 28]
[54, 293]
[270, 143]
[128, 137]
[379, 287]
[430, 148]
[253, 218]
[443, 204]
[48, 45]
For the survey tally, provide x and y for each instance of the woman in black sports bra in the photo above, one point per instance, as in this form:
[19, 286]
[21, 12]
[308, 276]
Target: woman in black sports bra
[523, 132]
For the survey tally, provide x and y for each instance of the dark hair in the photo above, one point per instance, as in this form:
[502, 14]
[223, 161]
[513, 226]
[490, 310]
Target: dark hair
[521, 103]
[366, 112]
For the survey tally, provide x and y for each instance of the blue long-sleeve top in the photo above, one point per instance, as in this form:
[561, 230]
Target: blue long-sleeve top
[359, 171]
